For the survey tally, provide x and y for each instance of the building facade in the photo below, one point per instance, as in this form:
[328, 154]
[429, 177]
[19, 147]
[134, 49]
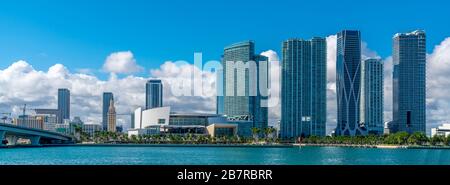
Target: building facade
[35, 122]
[303, 94]
[112, 117]
[91, 129]
[348, 83]
[153, 94]
[162, 121]
[372, 96]
[107, 97]
[63, 105]
[242, 90]
[409, 82]
[443, 130]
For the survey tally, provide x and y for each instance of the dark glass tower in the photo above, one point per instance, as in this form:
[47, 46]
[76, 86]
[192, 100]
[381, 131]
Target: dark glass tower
[409, 82]
[107, 97]
[63, 105]
[303, 94]
[242, 91]
[348, 83]
[153, 94]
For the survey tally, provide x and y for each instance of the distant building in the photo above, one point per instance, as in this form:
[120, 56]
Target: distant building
[242, 88]
[50, 122]
[153, 94]
[64, 128]
[91, 129]
[443, 130]
[409, 82]
[35, 122]
[112, 117]
[372, 96]
[348, 84]
[47, 111]
[63, 105]
[304, 85]
[107, 97]
[132, 120]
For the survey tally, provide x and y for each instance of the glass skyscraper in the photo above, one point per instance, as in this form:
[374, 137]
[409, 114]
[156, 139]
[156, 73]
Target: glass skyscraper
[348, 83]
[63, 105]
[242, 98]
[303, 94]
[372, 96]
[153, 94]
[107, 97]
[409, 82]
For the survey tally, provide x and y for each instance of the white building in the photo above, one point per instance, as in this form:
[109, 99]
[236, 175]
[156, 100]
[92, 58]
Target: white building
[162, 121]
[443, 130]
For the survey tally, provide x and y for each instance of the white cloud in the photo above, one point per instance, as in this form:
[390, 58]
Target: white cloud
[121, 63]
[275, 85]
[176, 77]
[438, 85]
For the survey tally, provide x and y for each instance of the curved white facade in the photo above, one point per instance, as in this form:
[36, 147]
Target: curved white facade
[152, 117]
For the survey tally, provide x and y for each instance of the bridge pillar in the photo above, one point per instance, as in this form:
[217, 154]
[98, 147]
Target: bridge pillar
[35, 140]
[12, 140]
[2, 137]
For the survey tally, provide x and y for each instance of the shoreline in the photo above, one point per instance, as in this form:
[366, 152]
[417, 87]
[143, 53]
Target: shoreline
[234, 146]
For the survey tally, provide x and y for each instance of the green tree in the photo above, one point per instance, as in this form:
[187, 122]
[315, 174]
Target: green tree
[417, 138]
[437, 140]
[255, 132]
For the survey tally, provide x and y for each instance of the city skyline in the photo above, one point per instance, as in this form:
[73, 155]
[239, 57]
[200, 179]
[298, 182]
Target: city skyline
[365, 54]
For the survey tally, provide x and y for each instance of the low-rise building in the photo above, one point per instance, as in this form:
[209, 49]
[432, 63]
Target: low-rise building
[91, 129]
[35, 122]
[220, 130]
[162, 121]
[443, 130]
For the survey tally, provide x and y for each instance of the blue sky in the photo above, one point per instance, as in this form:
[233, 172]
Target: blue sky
[81, 34]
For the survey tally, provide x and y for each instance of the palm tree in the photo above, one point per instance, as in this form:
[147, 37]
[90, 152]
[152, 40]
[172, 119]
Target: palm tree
[255, 132]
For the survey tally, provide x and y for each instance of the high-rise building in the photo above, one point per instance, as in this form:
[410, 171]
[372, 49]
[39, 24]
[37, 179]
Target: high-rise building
[409, 82]
[372, 96]
[63, 105]
[112, 117]
[153, 94]
[243, 98]
[348, 83]
[303, 94]
[107, 97]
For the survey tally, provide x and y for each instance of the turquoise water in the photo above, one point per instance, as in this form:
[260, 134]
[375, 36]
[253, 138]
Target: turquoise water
[221, 156]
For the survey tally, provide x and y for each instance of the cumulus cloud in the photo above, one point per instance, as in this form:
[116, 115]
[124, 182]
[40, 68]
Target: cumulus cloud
[121, 63]
[178, 92]
[275, 85]
[438, 85]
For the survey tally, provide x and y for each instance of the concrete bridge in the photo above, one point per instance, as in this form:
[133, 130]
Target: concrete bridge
[12, 133]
